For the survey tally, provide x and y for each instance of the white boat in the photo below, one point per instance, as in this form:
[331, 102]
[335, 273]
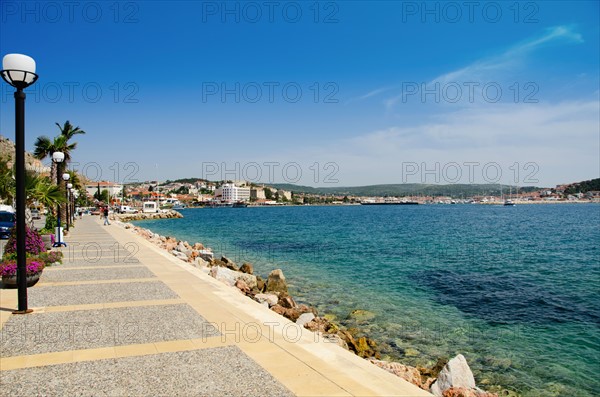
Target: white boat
[508, 202]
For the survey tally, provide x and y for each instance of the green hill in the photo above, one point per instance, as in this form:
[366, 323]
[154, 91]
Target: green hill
[583, 187]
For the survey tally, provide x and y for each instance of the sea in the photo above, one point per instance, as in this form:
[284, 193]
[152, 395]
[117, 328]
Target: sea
[514, 289]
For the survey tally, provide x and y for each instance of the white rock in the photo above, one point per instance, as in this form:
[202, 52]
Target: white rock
[229, 276]
[180, 255]
[271, 299]
[249, 279]
[199, 262]
[456, 373]
[224, 275]
[182, 248]
[305, 318]
[205, 254]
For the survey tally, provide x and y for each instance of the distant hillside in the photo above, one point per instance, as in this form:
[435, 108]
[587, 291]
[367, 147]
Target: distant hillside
[583, 187]
[409, 189]
[185, 180]
[7, 151]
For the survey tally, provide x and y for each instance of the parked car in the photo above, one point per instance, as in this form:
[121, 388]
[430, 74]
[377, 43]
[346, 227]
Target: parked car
[125, 209]
[7, 221]
[35, 214]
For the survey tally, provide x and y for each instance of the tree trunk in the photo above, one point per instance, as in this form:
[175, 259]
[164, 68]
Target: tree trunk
[53, 172]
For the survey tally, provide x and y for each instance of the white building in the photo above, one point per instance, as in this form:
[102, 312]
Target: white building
[284, 193]
[257, 193]
[114, 189]
[231, 193]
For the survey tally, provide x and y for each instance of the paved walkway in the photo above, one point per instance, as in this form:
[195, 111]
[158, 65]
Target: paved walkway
[121, 317]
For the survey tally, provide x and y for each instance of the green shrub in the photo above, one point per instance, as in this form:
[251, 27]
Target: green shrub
[50, 257]
[51, 222]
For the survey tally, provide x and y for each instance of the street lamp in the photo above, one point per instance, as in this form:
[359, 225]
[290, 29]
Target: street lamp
[70, 210]
[75, 197]
[19, 71]
[66, 177]
[58, 157]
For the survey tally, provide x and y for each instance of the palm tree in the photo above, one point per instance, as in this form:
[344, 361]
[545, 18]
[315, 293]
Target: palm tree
[68, 130]
[41, 190]
[45, 147]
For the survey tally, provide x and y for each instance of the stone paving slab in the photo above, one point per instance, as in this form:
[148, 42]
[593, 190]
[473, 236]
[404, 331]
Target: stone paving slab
[214, 372]
[61, 275]
[97, 251]
[66, 295]
[90, 329]
[107, 261]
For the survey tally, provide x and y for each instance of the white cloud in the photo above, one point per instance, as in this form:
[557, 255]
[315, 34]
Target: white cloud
[562, 139]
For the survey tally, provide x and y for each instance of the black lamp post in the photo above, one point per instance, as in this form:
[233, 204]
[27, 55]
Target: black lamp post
[19, 71]
[74, 196]
[69, 208]
[66, 178]
[58, 158]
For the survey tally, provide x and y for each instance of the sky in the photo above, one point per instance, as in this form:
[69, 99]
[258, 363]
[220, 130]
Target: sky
[318, 93]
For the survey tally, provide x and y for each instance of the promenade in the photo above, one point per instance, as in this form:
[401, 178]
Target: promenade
[120, 317]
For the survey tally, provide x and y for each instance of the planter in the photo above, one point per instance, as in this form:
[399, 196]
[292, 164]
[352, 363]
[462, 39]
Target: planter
[11, 281]
[47, 239]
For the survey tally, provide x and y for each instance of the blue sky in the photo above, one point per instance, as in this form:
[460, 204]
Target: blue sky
[315, 93]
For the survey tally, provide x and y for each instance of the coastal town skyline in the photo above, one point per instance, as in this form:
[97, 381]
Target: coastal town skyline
[324, 94]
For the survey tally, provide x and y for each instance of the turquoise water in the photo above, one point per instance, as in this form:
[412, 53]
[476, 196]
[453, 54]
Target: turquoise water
[514, 289]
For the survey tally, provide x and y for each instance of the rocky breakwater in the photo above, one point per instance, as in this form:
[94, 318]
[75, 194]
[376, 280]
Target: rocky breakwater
[447, 378]
[196, 255]
[142, 215]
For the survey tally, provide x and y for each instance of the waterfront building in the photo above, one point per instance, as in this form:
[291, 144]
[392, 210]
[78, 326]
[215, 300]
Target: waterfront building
[230, 193]
[257, 193]
[114, 189]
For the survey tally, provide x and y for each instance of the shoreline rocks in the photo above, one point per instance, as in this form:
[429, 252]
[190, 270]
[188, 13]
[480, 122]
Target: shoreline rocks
[143, 215]
[445, 379]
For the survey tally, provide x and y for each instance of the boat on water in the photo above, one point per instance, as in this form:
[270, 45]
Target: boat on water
[240, 204]
[179, 206]
[508, 202]
[220, 204]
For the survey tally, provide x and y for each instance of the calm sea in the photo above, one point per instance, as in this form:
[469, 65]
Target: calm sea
[514, 289]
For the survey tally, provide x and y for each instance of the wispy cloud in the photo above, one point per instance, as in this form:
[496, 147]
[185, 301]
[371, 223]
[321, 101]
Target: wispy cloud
[372, 93]
[492, 67]
[512, 56]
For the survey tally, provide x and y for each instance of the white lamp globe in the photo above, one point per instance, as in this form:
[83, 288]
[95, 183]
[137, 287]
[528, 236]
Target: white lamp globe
[58, 157]
[69, 185]
[19, 69]
[66, 177]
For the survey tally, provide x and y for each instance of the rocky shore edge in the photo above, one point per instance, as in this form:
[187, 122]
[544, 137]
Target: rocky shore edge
[144, 215]
[447, 378]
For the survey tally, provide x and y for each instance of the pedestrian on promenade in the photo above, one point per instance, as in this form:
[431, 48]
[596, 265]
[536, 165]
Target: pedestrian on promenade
[106, 222]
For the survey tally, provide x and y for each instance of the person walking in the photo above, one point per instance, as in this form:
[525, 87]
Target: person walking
[106, 222]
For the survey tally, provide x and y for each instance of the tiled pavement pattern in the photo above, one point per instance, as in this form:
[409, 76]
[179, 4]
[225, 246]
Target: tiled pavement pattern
[122, 318]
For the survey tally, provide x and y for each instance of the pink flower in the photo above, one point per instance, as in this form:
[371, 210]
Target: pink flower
[10, 268]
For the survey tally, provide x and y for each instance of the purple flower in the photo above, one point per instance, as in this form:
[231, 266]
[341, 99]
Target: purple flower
[33, 242]
[10, 268]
